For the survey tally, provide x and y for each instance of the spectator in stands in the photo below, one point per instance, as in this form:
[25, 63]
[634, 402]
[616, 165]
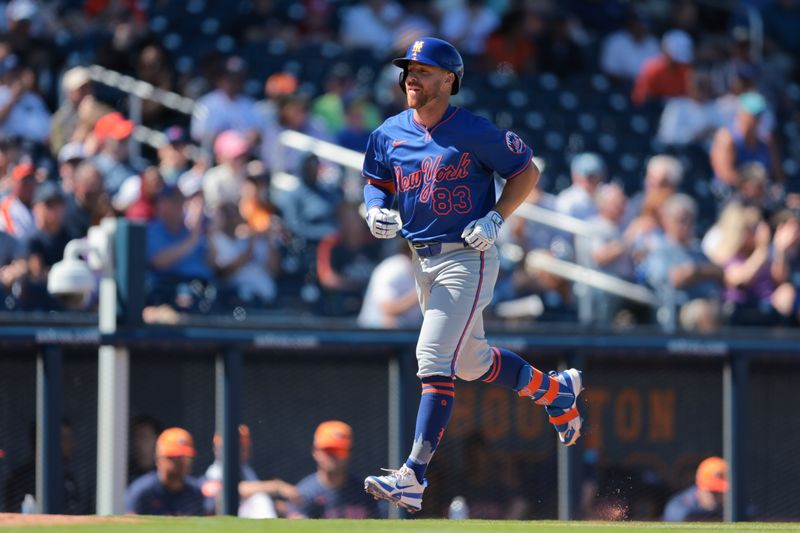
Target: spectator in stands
[690, 119]
[247, 262]
[526, 233]
[666, 76]
[356, 132]
[676, 268]
[329, 106]
[77, 85]
[70, 156]
[558, 52]
[154, 67]
[588, 172]
[223, 183]
[46, 245]
[664, 172]
[255, 495]
[144, 208]
[16, 216]
[256, 206]
[178, 250]
[756, 267]
[625, 51]
[754, 187]
[468, 24]
[703, 500]
[226, 107]
[142, 456]
[742, 144]
[310, 209]
[609, 251]
[331, 491]
[88, 203]
[644, 232]
[173, 155]
[743, 80]
[511, 46]
[345, 260]
[391, 300]
[22, 479]
[293, 114]
[23, 113]
[170, 490]
[112, 132]
[370, 24]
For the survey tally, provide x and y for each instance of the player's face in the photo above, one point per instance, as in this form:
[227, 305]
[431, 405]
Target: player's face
[426, 83]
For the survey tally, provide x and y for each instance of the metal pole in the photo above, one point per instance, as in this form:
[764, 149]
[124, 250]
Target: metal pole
[734, 406]
[395, 421]
[569, 465]
[229, 390]
[49, 468]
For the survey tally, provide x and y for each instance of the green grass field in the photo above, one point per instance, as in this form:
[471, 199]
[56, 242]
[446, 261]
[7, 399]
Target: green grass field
[234, 525]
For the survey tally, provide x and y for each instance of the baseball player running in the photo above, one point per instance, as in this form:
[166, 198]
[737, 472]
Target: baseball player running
[439, 160]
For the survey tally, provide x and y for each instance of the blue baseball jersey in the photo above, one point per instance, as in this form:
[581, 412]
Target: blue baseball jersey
[443, 175]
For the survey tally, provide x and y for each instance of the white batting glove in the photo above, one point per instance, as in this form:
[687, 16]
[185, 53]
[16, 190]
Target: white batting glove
[383, 223]
[481, 233]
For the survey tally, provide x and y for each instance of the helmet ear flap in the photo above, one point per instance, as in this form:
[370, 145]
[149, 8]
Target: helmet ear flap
[402, 80]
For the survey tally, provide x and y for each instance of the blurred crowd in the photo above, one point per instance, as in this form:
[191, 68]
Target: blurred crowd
[236, 221]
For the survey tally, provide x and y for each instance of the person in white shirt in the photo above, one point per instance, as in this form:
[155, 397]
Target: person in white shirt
[16, 215]
[588, 172]
[255, 495]
[371, 24]
[247, 262]
[223, 183]
[690, 119]
[23, 112]
[625, 51]
[391, 297]
[225, 108]
[468, 26]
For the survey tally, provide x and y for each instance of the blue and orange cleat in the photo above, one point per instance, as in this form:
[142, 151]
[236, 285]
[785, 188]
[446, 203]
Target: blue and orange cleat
[567, 421]
[399, 486]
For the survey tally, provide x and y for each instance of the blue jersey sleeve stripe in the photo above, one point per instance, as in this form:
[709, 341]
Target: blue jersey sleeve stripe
[521, 170]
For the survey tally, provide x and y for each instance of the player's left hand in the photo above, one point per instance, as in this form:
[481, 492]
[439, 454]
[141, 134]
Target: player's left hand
[481, 233]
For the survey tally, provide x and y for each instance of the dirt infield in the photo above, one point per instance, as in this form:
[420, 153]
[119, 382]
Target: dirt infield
[16, 519]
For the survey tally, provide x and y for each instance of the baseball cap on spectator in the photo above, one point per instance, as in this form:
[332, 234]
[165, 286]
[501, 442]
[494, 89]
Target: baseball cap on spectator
[176, 135]
[279, 84]
[113, 125]
[235, 65]
[678, 46]
[175, 442]
[48, 192]
[73, 151]
[712, 474]
[752, 103]
[588, 164]
[22, 171]
[334, 436]
[75, 78]
[18, 10]
[230, 144]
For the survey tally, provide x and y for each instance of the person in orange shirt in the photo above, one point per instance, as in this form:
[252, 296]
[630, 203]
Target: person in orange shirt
[666, 75]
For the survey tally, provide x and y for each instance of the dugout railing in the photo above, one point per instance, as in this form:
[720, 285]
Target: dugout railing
[720, 363]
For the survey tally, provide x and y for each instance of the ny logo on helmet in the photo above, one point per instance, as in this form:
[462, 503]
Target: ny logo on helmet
[417, 48]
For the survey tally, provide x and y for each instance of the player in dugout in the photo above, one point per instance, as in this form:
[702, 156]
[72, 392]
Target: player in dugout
[439, 161]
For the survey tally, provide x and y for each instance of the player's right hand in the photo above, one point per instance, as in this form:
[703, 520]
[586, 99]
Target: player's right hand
[383, 223]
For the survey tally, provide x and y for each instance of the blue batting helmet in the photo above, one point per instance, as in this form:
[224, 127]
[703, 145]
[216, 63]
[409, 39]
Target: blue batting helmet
[436, 52]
